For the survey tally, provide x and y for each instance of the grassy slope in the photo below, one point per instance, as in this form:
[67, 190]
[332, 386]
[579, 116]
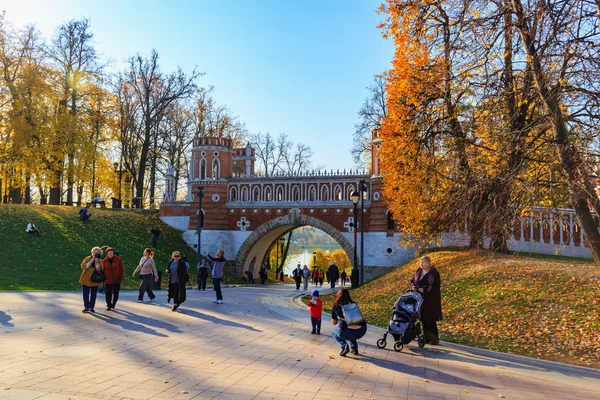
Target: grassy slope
[545, 308]
[51, 261]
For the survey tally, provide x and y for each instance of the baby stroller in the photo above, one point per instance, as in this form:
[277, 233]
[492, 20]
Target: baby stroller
[405, 323]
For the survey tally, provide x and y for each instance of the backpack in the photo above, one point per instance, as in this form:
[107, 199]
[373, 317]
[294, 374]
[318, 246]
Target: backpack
[352, 314]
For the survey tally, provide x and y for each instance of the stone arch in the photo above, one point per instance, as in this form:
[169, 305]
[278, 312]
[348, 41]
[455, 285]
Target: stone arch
[216, 169]
[261, 240]
[256, 195]
[233, 197]
[324, 193]
[267, 195]
[295, 194]
[244, 195]
[312, 193]
[203, 168]
[337, 193]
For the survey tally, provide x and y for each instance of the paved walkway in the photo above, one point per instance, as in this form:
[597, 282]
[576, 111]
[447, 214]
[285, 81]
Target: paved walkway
[255, 346]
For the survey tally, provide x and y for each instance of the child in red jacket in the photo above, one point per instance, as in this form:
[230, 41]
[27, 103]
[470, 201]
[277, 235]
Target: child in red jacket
[316, 312]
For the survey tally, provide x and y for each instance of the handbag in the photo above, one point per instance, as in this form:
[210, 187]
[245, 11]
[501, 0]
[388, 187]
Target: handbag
[98, 276]
[352, 314]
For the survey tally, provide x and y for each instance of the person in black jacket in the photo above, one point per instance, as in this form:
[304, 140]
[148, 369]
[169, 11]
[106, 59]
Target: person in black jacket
[333, 274]
[202, 274]
[427, 282]
[297, 274]
[263, 274]
[178, 277]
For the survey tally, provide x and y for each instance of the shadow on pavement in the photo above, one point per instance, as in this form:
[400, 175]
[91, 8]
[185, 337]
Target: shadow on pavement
[5, 320]
[147, 320]
[423, 372]
[215, 320]
[127, 325]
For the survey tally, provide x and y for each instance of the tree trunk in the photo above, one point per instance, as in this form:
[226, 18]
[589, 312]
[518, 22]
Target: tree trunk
[28, 190]
[70, 178]
[79, 195]
[153, 173]
[570, 160]
[55, 190]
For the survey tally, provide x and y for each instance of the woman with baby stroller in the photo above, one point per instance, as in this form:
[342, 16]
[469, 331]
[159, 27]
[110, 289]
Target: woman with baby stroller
[427, 282]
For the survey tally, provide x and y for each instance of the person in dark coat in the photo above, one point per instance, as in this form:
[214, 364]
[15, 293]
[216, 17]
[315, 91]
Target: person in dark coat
[263, 274]
[333, 274]
[202, 274]
[297, 274]
[427, 282]
[178, 277]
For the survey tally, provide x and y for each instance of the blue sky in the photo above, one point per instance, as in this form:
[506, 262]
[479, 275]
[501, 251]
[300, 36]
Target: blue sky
[299, 67]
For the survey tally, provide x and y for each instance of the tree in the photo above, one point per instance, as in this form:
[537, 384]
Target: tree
[371, 115]
[73, 53]
[154, 92]
[561, 41]
[214, 120]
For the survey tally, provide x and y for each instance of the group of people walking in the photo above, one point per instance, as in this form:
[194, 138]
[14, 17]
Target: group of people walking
[104, 267]
[303, 275]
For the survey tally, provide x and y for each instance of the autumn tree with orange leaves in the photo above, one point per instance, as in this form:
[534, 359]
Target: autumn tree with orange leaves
[465, 137]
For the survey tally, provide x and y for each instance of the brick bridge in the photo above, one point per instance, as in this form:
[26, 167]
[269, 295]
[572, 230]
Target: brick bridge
[245, 214]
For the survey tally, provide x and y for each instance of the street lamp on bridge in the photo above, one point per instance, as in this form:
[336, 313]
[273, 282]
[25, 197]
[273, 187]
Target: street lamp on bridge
[355, 196]
[281, 241]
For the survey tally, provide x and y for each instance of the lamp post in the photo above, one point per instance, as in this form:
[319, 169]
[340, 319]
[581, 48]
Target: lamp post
[315, 259]
[200, 195]
[363, 189]
[281, 241]
[355, 197]
[119, 170]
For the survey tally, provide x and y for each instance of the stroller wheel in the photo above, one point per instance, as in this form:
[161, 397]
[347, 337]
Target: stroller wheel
[381, 343]
[398, 346]
[421, 341]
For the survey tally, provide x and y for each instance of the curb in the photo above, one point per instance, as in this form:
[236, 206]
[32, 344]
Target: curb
[546, 365]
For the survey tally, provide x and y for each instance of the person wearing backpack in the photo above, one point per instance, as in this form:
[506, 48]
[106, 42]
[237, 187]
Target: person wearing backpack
[350, 324]
[115, 274]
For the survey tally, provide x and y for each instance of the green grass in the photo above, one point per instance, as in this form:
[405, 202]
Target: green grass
[52, 261]
[546, 307]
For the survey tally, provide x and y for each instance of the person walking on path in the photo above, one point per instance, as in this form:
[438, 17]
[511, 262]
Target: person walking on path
[155, 235]
[202, 274]
[89, 265]
[315, 277]
[218, 270]
[305, 276]
[321, 278]
[263, 274]
[31, 228]
[178, 277]
[427, 282]
[343, 332]
[148, 273]
[315, 306]
[115, 274]
[297, 275]
[343, 276]
[333, 274]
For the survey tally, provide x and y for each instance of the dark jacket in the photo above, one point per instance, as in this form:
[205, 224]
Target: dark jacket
[431, 310]
[333, 273]
[203, 271]
[113, 269]
[182, 279]
[297, 274]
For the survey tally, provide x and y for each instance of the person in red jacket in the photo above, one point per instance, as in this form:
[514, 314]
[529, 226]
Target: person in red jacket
[316, 312]
[115, 274]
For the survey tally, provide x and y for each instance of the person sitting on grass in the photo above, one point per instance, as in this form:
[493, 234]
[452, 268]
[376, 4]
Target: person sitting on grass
[84, 214]
[31, 228]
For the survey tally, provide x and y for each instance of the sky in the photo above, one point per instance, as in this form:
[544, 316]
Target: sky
[297, 67]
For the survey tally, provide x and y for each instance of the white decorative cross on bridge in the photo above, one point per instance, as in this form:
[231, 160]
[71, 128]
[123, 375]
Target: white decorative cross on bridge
[349, 224]
[243, 223]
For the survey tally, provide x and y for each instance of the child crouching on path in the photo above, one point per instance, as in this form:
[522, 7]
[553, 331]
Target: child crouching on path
[316, 312]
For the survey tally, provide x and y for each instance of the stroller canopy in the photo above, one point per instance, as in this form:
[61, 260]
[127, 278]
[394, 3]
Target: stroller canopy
[410, 301]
